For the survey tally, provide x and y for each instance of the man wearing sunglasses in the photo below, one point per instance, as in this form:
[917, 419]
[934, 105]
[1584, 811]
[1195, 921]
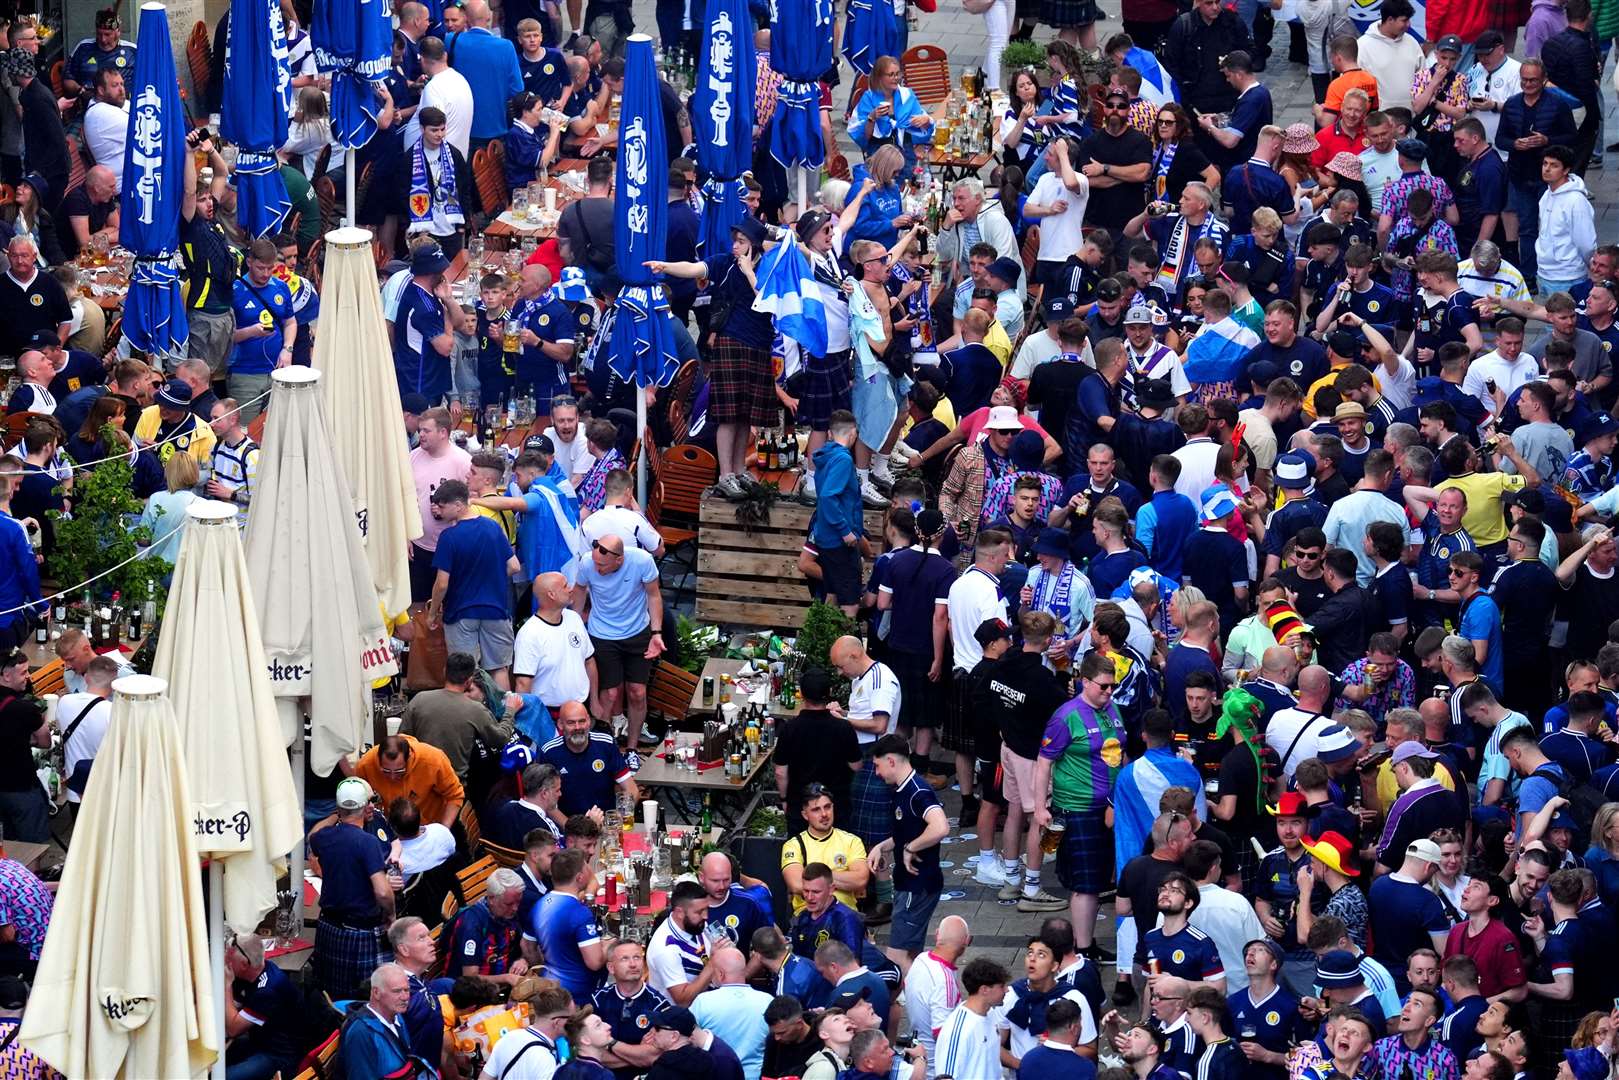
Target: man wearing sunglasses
[620, 590]
[1116, 161]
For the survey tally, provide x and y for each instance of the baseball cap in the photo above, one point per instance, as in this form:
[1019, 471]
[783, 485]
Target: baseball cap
[353, 793]
[1343, 343]
[1586, 1063]
[811, 223]
[42, 340]
[675, 1018]
[1003, 418]
[1448, 43]
[1108, 290]
[414, 403]
[1409, 749]
[1339, 968]
[1334, 849]
[1138, 313]
[1155, 393]
[542, 443]
[1058, 308]
[429, 259]
[1335, 743]
[1489, 39]
[1262, 373]
[1424, 849]
[851, 997]
[992, 630]
[1268, 945]
[1412, 149]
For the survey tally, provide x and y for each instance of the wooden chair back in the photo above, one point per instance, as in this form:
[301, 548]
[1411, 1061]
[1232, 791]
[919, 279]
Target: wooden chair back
[474, 880]
[326, 196]
[927, 73]
[469, 824]
[49, 679]
[318, 1062]
[510, 858]
[16, 424]
[669, 691]
[837, 166]
[489, 173]
[687, 470]
[679, 414]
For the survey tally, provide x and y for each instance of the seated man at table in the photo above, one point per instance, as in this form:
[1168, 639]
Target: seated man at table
[485, 935]
[590, 762]
[91, 211]
[822, 842]
[263, 1013]
[510, 822]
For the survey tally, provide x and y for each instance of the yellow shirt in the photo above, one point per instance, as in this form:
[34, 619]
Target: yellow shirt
[837, 851]
[1308, 407]
[998, 343]
[199, 442]
[1388, 790]
[1484, 521]
[506, 519]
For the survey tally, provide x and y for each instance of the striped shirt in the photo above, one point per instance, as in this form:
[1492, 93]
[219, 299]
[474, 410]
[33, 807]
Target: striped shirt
[674, 957]
[237, 467]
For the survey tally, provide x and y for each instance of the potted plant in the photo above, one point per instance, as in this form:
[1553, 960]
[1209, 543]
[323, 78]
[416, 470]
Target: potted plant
[823, 624]
[1023, 54]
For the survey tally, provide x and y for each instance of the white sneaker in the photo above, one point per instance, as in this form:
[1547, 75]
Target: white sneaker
[882, 474]
[871, 496]
[989, 872]
[731, 487]
[806, 487]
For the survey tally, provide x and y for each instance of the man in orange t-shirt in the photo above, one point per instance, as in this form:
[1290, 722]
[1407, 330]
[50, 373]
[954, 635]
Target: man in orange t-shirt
[1344, 56]
[402, 766]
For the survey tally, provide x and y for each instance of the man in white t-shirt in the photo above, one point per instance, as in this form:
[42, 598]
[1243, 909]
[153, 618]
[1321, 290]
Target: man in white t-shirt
[82, 719]
[1493, 377]
[873, 691]
[106, 122]
[1058, 202]
[422, 845]
[553, 657]
[1292, 733]
[969, 1043]
[932, 987]
[573, 454]
[620, 517]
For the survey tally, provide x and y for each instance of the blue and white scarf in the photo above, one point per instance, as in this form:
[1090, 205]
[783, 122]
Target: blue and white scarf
[434, 208]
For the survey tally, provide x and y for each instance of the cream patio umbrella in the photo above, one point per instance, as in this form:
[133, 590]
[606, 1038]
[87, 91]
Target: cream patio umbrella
[124, 988]
[246, 807]
[352, 354]
[320, 618]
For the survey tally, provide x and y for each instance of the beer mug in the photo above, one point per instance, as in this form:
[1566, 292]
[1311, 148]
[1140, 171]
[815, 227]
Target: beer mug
[1052, 835]
[513, 337]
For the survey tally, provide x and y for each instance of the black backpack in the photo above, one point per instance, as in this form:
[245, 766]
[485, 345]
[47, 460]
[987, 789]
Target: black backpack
[1584, 801]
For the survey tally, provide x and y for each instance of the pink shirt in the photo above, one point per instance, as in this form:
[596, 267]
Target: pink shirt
[972, 424]
[429, 472]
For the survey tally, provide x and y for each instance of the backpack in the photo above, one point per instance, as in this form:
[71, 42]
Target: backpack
[1584, 801]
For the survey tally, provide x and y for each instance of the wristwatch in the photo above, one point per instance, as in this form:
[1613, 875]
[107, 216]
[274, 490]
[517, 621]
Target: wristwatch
[1104, 168]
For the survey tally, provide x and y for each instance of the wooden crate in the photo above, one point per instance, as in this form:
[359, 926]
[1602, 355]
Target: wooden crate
[753, 579]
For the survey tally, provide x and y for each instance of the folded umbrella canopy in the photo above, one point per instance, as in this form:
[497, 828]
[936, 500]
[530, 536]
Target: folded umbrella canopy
[244, 804]
[643, 342]
[722, 117]
[123, 987]
[353, 42]
[149, 206]
[319, 616]
[801, 50]
[254, 109]
[871, 29]
[361, 391]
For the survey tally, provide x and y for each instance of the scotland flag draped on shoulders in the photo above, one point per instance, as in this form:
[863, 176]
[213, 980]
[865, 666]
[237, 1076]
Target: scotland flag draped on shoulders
[1147, 477]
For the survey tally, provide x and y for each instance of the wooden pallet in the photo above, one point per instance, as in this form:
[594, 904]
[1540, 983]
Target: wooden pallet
[752, 579]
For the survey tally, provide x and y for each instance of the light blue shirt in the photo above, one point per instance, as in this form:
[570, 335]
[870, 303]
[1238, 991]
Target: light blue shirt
[165, 515]
[618, 607]
[1348, 520]
[737, 1015]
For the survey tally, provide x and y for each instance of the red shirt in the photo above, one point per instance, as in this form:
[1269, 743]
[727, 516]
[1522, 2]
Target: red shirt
[1495, 951]
[1333, 140]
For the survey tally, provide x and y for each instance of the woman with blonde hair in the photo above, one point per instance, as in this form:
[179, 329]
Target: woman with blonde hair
[882, 205]
[165, 512]
[1602, 859]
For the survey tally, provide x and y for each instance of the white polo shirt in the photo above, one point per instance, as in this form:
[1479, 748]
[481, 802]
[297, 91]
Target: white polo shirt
[876, 691]
[554, 657]
[624, 523]
[974, 597]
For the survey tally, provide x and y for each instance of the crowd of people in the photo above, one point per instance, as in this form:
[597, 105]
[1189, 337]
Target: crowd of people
[1244, 550]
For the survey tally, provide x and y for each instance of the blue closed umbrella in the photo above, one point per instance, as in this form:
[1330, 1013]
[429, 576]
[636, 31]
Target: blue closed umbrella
[253, 112]
[871, 29]
[353, 42]
[149, 205]
[643, 338]
[722, 117]
[801, 50]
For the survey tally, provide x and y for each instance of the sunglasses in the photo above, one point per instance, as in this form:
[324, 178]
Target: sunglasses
[1307, 554]
[1456, 573]
[609, 552]
[1111, 107]
[1108, 686]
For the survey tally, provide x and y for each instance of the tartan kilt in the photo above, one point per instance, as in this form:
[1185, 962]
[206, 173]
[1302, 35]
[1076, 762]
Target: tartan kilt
[344, 958]
[957, 732]
[1085, 856]
[827, 382]
[740, 387]
[871, 804]
[1065, 13]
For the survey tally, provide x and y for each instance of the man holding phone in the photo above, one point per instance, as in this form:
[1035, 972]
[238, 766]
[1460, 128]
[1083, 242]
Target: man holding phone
[1531, 122]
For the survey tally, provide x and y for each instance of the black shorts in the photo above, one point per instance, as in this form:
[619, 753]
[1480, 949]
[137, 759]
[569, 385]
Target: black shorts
[422, 574]
[989, 781]
[619, 662]
[840, 573]
[921, 701]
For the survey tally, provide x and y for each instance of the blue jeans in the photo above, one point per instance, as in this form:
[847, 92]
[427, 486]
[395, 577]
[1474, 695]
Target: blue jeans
[1551, 285]
[258, 1067]
[26, 815]
[1524, 201]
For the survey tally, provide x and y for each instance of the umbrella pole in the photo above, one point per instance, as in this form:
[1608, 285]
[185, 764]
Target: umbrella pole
[348, 184]
[216, 958]
[640, 441]
[295, 858]
[803, 189]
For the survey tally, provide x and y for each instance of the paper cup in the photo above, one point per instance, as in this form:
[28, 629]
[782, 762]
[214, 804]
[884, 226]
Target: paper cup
[550, 198]
[649, 814]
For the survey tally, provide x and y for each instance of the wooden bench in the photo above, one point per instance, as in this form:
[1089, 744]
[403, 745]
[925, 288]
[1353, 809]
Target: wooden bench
[752, 579]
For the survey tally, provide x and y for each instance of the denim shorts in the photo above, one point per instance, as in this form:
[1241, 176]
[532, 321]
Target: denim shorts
[489, 641]
[912, 911]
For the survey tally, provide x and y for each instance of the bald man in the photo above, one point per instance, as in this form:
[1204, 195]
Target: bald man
[552, 657]
[732, 910]
[590, 762]
[734, 1011]
[546, 329]
[91, 210]
[931, 986]
[874, 699]
[1293, 732]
